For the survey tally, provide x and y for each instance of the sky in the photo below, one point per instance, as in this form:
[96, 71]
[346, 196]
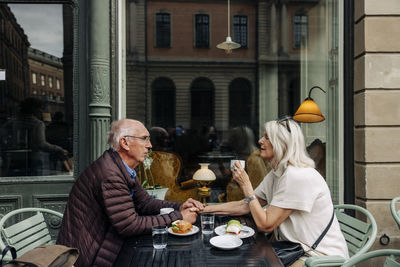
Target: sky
[43, 25]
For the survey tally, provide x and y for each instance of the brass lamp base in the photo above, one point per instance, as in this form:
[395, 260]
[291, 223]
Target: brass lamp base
[204, 192]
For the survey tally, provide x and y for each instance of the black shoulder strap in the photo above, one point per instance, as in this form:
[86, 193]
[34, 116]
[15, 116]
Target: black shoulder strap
[325, 231]
[7, 249]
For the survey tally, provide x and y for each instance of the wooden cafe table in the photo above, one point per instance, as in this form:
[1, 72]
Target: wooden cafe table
[195, 250]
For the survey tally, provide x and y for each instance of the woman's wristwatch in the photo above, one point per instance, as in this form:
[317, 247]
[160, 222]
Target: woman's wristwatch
[247, 200]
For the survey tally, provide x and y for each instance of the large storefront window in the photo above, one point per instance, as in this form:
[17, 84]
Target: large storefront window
[36, 117]
[212, 105]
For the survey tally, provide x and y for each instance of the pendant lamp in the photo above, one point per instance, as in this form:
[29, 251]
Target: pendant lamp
[309, 110]
[228, 45]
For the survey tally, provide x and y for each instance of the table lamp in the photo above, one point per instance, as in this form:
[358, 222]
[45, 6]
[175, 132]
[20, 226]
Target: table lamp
[204, 176]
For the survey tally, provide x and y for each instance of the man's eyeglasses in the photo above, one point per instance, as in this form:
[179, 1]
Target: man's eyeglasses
[284, 121]
[144, 138]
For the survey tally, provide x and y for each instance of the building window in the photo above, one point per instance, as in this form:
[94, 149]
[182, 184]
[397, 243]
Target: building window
[163, 103]
[50, 82]
[163, 30]
[42, 80]
[58, 84]
[239, 102]
[202, 94]
[202, 31]
[300, 30]
[34, 78]
[240, 30]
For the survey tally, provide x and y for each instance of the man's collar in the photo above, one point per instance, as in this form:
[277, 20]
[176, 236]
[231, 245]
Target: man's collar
[131, 172]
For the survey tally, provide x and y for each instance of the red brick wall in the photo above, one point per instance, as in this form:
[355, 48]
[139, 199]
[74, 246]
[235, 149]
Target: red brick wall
[182, 29]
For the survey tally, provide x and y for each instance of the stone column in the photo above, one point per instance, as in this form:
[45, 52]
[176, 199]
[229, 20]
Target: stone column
[99, 66]
[376, 112]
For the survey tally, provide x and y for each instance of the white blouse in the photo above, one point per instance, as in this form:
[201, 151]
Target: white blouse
[305, 191]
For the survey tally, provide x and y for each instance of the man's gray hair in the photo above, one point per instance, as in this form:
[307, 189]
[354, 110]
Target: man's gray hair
[118, 130]
[289, 147]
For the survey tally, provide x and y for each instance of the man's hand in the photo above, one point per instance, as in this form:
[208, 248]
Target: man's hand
[191, 203]
[189, 214]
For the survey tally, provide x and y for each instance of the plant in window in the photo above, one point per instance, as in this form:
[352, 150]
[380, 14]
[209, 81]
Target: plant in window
[147, 179]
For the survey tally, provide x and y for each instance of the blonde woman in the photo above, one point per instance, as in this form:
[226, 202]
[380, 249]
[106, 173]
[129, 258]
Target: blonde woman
[299, 201]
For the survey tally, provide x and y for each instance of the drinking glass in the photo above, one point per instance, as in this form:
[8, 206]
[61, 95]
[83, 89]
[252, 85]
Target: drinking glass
[160, 236]
[207, 223]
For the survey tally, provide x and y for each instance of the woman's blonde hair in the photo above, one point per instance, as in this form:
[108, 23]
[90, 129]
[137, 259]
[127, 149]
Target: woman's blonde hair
[287, 140]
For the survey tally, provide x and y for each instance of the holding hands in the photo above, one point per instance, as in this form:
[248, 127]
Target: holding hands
[190, 208]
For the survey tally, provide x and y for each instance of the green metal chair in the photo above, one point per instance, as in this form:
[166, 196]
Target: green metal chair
[390, 261]
[395, 213]
[359, 235]
[28, 233]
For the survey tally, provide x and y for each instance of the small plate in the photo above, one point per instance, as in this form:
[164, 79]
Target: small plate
[226, 242]
[247, 231]
[192, 231]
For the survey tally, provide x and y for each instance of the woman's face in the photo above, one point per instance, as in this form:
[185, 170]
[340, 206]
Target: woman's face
[267, 151]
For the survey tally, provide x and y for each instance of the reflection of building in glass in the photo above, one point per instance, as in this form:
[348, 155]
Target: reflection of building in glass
[177, 76]
[14, 59]
[47, 79]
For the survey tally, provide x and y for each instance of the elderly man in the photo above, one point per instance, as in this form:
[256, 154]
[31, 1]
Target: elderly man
[107, 202]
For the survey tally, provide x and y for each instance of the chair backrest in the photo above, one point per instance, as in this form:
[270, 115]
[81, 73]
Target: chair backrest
[389, 262]
[28, 233]
[256, 168]
[359, 235]
[165, 168]
[395, 213]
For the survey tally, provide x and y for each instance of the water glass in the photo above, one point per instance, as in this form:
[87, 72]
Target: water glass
[207, 223]
[160, 236]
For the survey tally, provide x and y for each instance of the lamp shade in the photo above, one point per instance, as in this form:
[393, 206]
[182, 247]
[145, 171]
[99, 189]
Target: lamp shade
[228, 45]
[308, 112]
[204, 173]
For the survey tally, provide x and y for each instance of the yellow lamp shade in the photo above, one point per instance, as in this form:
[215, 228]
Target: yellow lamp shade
[308, 112]
[204, 173]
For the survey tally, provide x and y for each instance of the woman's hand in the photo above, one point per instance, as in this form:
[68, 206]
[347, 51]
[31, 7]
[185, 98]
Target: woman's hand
[241, 177]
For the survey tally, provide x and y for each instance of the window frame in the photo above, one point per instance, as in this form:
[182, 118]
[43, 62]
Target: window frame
[203, 44]
[159, 43]
[42, 80]
[34, 77]
[235, 38]
[298, 29]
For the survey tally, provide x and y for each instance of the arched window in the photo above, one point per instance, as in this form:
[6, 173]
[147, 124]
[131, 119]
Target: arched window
[163, 103]
[239, 102]
[202, 103]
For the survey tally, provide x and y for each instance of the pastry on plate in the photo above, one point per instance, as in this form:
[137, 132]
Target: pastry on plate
[181, 227]
[233, 227]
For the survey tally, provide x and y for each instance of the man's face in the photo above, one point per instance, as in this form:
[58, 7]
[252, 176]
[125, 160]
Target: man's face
[139, 144]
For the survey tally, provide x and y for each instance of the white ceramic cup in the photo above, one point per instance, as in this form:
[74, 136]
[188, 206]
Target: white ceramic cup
[166, 211]
[242, 162]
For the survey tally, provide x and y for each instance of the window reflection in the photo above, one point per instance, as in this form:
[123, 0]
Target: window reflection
[213, 105]
[35, 136]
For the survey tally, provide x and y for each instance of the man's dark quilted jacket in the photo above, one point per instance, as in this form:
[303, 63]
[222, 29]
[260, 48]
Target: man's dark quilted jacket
[100, 212]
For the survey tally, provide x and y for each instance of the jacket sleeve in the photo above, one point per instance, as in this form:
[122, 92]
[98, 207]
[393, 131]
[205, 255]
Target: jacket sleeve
[133, 217]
